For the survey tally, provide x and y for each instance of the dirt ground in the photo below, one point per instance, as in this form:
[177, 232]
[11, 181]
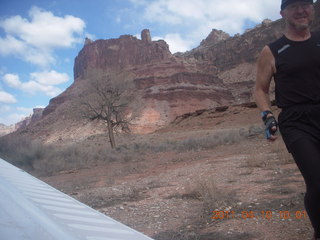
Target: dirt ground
[245, 189]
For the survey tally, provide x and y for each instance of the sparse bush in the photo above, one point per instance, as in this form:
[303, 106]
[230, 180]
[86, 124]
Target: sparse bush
[255, 130]
[212, 197]
[45, 159]
[226, 137]
[23, 153]
[208, 142]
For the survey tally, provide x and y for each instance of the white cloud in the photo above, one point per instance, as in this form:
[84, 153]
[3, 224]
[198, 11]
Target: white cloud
[33, 87]
[7, 97]
[12, 118]
[34, 40]
[176, 42]
[2, 70]
[39, 82]
[91, 36]
[4, 108]
[25, 110]
[192, 21]
[203, 11]
[10, 115]
[11, 45]
[12, 80]
[49, 78]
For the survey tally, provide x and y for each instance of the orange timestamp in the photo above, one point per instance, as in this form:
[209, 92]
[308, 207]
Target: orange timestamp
[259, 215]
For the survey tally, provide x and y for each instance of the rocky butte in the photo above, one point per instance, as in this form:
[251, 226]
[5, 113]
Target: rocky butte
[219, 72]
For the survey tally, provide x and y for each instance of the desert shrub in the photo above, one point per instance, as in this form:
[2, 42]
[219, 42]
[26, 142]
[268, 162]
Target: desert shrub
[226, 137]
[212, 197]
[22, 152]
[31, 152]
[34, 155]
[196, 143]
[72, 156]
[209, 142]
[47, 159]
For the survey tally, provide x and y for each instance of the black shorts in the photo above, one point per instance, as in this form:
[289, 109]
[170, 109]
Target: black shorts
[301, 121]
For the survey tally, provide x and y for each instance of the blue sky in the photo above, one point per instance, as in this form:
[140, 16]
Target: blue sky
[39, 39]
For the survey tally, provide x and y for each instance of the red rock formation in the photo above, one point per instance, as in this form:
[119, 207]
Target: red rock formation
[220, 72]
[116, 54]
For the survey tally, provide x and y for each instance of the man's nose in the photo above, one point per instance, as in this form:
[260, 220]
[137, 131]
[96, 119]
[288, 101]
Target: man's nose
[299, 8]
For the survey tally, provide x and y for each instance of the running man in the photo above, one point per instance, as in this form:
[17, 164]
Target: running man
[293, 61]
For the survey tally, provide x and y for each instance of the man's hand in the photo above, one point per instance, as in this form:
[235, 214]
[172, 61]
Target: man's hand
[271, 127]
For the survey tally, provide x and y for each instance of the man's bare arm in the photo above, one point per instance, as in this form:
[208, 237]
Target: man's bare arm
[265, 71]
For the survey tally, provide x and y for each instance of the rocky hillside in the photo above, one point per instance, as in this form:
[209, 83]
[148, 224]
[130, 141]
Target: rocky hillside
[220, 72]
[35, 116]
[4, 130]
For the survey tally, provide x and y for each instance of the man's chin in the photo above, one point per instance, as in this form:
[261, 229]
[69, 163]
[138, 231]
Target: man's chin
[301, 26]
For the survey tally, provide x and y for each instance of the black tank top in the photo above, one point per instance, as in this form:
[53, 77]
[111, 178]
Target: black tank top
[297, 80]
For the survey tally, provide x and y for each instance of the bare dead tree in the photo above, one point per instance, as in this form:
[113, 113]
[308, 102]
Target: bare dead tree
[107, 102]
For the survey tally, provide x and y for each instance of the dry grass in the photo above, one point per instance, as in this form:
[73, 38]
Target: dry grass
[23, 153]
[45, 160]
[212, 197]
[194, 143]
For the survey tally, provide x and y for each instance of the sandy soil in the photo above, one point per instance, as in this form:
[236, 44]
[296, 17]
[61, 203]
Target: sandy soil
[249, 189]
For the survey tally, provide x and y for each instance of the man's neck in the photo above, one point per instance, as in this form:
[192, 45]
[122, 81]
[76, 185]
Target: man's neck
[298, 35]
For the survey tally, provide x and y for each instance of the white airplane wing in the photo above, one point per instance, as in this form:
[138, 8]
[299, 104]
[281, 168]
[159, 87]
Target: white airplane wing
[32, 210]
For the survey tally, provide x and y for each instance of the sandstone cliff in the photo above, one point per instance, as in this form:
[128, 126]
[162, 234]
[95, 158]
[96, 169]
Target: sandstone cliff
[221, 71]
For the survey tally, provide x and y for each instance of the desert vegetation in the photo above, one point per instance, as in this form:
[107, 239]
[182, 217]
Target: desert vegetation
[47, 159]
[168, 184]
[109, 104]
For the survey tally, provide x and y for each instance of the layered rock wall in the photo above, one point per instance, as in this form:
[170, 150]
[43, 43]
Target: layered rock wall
[221, 71]
[116, 54]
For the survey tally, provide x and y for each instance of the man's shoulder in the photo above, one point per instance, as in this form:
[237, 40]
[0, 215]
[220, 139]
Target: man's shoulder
[278, 42]
[277, 45]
